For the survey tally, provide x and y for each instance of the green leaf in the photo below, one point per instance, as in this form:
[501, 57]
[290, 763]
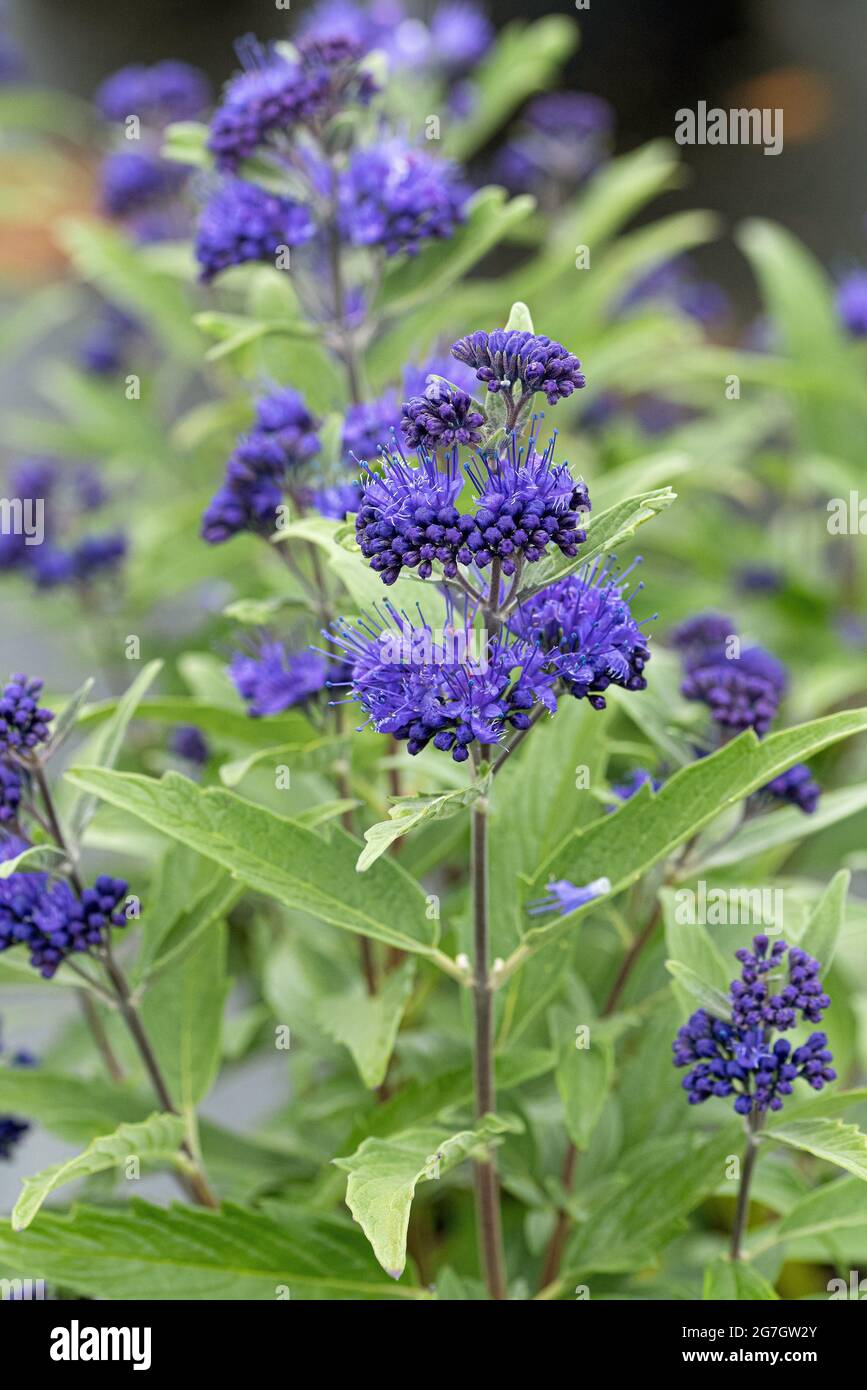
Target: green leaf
[73, 1107]
[37, 857]
[836, 1142]
[605, 532]
[320, 749]
[155, 1140]
[146, 1252]
[584, 1077]
[186, 142]
[406, 813]
[361, 582]
[523, 62]
[107, 743]
[104, 256]
[837, 1206]
[535, 794]
[191, 899]
[228, 728]
[800, 299]
[609, 198]
[638, 1210]
[624, 845]
[691, 944]
[822, 932]
[384, 1174]
[586, 311]
[714, 1000]
[275, 856]
[787, 826]
[726, 1279]
[65, 721]
[183, 1017]
[366, 1023]
[520, 319]
[433, 272]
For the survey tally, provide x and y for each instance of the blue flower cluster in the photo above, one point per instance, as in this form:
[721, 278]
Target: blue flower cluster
[53, 921]
[242, 222]
[157, 94]
[742, 691]
[369, 426]
[577, 635]
[449, 47]
[509, 357]
[638, 778]
[138, 186]
[563, 136]
[396, 197]
[796, 786]
[282, 441]
[443, 416]
[524, 503]
[852, 303]
[422, 687]
[272, 679]
[189, 743]
[585, 625]
[104, 348]
[275, 95]
[740, 1056]
[23, 721]
[65, 497]
[133, 180]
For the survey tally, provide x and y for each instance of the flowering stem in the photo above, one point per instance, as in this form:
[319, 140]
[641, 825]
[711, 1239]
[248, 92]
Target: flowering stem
[486, 1182]
[749, 1163]
[193, 1180]
[88, 1008]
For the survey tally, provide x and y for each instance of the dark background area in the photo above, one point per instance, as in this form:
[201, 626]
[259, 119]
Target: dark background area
[648, 57]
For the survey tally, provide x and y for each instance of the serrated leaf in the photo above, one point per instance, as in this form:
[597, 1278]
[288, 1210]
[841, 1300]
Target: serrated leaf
[275, 856]
[155, 1140]
[384, 1174]
[147, 1252]
[645, 829]
[367, 1024]
[605, 532]
[836, 1142]
[406, 813]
